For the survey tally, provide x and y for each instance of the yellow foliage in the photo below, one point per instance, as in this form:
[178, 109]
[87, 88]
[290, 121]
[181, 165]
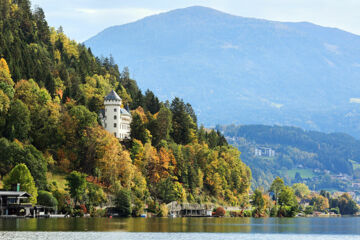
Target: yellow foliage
[4, 65]
[140, 111]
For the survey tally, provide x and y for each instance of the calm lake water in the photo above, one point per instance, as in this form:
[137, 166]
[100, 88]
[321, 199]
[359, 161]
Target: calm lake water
[181, 228]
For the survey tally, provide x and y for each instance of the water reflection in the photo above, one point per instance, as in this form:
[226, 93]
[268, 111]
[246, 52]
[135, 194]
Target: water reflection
[345, 225]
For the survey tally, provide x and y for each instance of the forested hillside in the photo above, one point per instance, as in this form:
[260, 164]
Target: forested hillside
[317, 156]
[51, 91]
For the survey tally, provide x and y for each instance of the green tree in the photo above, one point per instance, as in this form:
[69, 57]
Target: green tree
[4, 107]
[276, 187]
[76, 185]
[123, 202]
[152, 103]
[301, 190]
[258, 201]
[46, 199]
[21, 174]
[169, 191]
[138, 129]
[287, 201]
[161, 126]
[183, 126]
[18, 121]
[95, 195]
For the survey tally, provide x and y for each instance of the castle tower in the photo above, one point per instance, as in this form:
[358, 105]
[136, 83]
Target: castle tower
[116, 120]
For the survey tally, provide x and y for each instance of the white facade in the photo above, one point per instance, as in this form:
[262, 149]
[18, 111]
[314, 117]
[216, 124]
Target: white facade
[266, 152]
[115, 119]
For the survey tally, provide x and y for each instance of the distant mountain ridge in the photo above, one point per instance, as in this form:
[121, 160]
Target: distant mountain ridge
[243, 70]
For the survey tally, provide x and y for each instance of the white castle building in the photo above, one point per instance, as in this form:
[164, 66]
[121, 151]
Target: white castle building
[115, 119]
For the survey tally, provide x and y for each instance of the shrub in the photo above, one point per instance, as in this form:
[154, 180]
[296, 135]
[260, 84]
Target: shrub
[309, 210]
[46, 199]
[164, 211]
[220, 212]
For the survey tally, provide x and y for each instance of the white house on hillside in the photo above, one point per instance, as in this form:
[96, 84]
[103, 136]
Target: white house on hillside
[115, 119]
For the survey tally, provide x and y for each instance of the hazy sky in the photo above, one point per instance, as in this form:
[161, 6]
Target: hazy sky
[82, 19]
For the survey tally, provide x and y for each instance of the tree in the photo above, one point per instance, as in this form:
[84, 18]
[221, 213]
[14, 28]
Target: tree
[138, 129]
[6, 83]
[76, 185]
[276, 187]
[95, 195]
[4, 107]
[287, 201]
[301, 190]
[123, 202]
[258, 201]
[169, 191]
[151, 102]
[183, 131]
[161, 127]
[46, 199]
[347, 205]
[320, 203]
[18, 123]
[21, 174]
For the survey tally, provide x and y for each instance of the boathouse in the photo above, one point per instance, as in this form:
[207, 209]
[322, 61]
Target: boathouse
[10, 203]
[189, 209]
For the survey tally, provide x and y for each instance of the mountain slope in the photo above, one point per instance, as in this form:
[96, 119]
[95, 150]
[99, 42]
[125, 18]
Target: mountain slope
[242, 70]
[321, 160]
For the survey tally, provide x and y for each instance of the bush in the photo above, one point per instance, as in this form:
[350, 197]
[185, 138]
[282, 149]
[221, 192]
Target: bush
[247, 213]
[274, 211]
[309, 210]
[220, 212]
[335, 210]
[46, 199]
[98, 212]
[164, 211]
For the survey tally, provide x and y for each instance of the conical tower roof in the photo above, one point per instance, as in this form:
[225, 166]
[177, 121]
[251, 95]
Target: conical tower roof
[112, 96]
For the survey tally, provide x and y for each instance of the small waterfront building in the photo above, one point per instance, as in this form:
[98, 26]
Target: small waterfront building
[10, 203]
[114, 118]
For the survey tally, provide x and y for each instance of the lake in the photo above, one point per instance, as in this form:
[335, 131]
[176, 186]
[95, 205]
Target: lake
[181, 228]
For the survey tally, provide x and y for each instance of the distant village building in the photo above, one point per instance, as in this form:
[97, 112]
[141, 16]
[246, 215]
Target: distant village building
[115, 119]
[264, 152]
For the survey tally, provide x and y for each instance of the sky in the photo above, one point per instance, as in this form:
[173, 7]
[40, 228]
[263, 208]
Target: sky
[82, 19]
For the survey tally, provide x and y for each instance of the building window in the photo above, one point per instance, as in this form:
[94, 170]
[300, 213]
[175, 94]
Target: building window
[115, 134]
[115, 125]
[114, 116]
[114, 109]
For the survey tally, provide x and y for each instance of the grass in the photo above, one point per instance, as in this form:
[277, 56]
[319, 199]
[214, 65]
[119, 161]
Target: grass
[305, 173]
[59, 178]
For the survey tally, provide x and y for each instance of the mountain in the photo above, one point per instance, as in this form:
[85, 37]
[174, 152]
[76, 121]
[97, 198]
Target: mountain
[322, 161]
[243, 70]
